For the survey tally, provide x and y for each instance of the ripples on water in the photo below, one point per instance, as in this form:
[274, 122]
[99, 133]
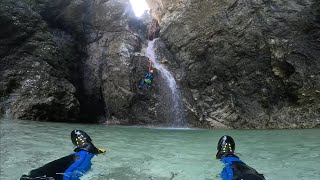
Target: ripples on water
[159, 153]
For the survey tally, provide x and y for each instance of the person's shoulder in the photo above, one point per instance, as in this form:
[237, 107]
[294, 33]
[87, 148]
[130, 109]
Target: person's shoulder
[81, 151]
[230, 159]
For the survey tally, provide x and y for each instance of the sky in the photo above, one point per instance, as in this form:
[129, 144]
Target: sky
[139, 6]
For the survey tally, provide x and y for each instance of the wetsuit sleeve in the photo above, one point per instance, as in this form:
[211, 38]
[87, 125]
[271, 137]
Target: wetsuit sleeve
[79, 167]
[226, 173]
[237, 170]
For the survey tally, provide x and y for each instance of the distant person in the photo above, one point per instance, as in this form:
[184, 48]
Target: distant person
[70, 167]
[235, 169]
[146, 83]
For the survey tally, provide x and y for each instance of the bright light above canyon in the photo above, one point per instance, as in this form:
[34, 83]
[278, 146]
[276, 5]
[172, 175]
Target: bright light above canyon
[139, 7]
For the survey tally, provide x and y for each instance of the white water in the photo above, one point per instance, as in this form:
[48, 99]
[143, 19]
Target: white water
[177, 108]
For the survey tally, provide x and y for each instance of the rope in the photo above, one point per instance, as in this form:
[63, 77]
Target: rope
[150, 65]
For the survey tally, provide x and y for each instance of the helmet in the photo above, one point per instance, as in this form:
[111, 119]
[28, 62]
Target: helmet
[151, 71]
[225, 147]
[82, 141]
[78, 137]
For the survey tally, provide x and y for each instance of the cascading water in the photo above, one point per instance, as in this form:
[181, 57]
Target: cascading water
[175, 96]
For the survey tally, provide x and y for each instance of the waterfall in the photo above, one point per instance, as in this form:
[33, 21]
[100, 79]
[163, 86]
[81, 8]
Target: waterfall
[175, 95]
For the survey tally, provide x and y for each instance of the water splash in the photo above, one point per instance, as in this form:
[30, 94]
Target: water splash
[177, 109]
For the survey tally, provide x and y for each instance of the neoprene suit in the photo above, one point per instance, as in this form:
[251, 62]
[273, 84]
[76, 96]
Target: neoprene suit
[66, 168]
[235, 169]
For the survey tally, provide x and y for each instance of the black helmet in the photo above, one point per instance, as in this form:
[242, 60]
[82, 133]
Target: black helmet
[78, 137]
[225, 147]
[82, 141]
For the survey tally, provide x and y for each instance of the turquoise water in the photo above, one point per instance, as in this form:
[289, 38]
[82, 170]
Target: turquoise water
[151, 154]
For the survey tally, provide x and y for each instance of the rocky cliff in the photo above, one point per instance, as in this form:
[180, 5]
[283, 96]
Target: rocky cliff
[249, 64]
[43, 44]
[76, 60]
[238, 63]
[36, 66]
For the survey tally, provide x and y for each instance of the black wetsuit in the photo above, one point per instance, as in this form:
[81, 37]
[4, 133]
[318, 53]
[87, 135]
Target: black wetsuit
[66, 168]
[235, 169]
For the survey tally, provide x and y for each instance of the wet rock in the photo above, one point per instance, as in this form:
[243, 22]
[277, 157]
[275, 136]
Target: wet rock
[115, 65]
[34, 83]
[76, 60]
[247, 64]
[239, 64]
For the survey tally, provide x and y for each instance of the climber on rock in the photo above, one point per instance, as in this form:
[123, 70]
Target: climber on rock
[147, 81]
[69, 167]
[235, 169]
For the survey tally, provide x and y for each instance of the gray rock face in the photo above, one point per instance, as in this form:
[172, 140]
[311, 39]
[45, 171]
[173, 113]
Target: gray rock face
[76, 60]
[246, 64]
[114, 64]
[33, 82]
[239, 64]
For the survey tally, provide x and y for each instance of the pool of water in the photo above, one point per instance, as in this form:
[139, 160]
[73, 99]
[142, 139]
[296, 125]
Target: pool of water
[136, 153]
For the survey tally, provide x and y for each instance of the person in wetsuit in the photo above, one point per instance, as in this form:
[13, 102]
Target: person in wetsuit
[235, 169]
[146, 83]
[70, 167]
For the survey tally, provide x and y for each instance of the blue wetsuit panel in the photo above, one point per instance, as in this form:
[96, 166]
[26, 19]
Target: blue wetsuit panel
[149, 76]
[79, 167]
[227, 173]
